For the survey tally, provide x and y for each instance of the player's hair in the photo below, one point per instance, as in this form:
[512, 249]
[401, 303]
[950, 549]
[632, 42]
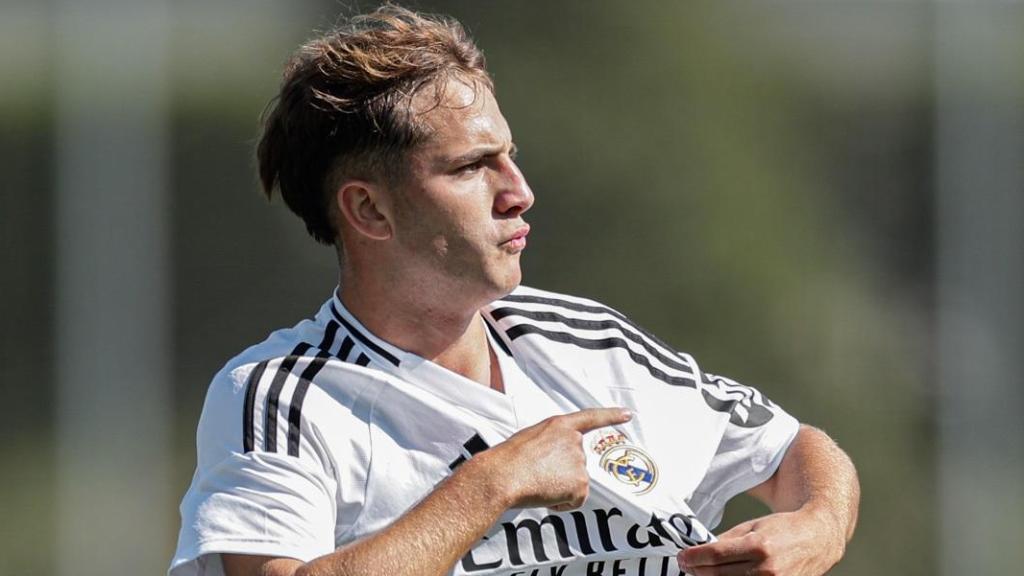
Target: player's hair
[344, 107]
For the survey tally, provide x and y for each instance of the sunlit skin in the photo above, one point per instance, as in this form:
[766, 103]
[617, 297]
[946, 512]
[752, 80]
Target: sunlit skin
[424, 255]
[420, 259]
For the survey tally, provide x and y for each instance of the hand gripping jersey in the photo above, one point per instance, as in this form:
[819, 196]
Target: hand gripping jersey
[325, 433]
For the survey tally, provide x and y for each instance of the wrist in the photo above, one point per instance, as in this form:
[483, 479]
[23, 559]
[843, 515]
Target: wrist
[828, 525]
[489, 480]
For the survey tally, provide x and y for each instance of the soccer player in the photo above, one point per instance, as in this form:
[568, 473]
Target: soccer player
[436, 417]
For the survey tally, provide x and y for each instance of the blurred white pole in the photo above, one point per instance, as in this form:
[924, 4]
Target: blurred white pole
[113, 273]
[979, 71]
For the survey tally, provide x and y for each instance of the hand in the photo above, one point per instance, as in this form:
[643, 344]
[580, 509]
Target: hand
[789, 543]
[544, 465]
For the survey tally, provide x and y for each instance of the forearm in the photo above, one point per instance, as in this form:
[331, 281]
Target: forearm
[465, 506]
[814, 496]
[815, 477]
[539, 466]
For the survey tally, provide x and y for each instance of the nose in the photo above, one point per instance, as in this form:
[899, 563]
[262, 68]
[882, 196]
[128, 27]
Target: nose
[513, 195]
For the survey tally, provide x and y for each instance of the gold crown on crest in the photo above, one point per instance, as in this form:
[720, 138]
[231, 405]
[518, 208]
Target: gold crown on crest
[608, 441]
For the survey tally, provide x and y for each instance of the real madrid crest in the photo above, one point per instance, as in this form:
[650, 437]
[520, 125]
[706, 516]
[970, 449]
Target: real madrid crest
[625, 462]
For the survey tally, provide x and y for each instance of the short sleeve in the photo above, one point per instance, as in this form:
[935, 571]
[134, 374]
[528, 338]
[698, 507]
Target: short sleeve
[750, 449]
[245, 498]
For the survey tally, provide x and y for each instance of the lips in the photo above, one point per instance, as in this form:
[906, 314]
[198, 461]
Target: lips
[517, 242]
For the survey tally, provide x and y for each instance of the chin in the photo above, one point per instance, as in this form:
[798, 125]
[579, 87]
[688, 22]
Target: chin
[501, 285]
[512, 281]
[480, 285]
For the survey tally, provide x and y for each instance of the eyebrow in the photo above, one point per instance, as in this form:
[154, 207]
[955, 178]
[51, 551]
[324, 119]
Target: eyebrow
[478, 153]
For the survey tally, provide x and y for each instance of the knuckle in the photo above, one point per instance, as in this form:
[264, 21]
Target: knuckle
[759, 545]
[558, 423]
[716, 555]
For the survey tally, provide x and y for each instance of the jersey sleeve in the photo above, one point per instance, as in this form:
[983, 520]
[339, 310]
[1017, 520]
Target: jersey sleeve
[750, 448]
[265, 482]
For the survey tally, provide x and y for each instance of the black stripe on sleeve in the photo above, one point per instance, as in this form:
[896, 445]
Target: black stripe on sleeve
[363, 337]
[274, 396]
[602, 344]
[250, 405]
[346, 348]
[457, 462]
[295, 406]
[363, 359]
[582, 324]
[593, 308]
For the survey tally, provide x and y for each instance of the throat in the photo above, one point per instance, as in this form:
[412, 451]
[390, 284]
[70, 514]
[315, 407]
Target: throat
[497, 382]
[486, 372]
[473, 358]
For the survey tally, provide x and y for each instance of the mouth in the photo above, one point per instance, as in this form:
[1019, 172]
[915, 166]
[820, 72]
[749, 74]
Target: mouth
[517, 242]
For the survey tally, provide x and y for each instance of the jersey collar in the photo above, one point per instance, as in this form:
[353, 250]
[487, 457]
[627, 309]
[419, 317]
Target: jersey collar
[426, 374]
[384, 352]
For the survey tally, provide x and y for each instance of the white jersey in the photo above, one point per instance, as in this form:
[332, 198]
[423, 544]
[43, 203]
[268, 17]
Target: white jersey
[325, 433]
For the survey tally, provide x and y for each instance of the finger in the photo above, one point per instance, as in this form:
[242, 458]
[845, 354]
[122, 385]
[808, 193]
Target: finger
[575, 501]
[593, 418]
[738, 531]
[737, 569]
[566, 506]
[724, 551]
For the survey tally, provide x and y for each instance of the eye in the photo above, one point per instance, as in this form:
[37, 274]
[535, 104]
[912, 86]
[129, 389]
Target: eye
[471, 167]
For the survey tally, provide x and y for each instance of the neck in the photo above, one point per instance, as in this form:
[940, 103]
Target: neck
[448, 336]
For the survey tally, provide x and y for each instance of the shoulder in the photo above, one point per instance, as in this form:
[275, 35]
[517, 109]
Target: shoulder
[286, 395]
[572, 311]
[544, 317]
[529, 295]
[531, 311]
[526, 305]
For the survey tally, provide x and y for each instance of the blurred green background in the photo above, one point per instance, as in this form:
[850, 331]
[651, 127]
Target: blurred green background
[759, 183]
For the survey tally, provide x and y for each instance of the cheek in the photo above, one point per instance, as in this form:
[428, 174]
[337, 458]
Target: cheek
[440, 244]
[462, 228]
[452, 225]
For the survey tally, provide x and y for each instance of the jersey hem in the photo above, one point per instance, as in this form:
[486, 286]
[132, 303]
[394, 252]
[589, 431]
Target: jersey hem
[187, 564]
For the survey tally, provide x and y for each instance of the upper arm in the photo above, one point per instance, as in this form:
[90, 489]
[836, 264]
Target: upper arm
[813, 465]
[768, 491]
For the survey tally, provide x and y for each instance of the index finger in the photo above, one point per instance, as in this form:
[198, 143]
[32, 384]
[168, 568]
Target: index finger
[592, 418]
[725, 551]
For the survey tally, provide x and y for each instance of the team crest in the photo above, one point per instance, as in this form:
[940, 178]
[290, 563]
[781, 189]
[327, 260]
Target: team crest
[626, 463]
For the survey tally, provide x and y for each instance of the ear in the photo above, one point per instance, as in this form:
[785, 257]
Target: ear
[362, 205]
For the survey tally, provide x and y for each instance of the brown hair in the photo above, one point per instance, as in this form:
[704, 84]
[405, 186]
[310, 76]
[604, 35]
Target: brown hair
[343, 110]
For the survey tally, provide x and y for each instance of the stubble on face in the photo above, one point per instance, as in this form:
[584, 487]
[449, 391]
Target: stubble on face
[447, 227]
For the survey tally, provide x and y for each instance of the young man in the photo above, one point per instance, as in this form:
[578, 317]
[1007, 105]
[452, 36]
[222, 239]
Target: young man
[435, 417]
